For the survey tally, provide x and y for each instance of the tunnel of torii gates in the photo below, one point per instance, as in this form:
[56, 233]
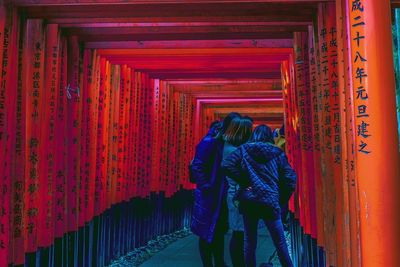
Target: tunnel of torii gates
[103, 101]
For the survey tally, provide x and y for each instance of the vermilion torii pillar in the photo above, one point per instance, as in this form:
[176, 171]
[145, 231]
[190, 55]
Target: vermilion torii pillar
[376, 144]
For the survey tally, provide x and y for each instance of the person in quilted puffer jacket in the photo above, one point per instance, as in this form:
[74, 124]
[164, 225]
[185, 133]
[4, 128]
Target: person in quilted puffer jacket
[266, 180]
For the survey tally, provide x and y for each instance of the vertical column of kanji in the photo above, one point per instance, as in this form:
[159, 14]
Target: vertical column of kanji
[326, 134]
[285, 84]
[376, 131]
[8, 102]
[140, 141]
[144, 128]
[18, 171]
[46, 165]
[128, 95]
[185, 144]
[163, 133]
[171, 159]
[189, 138]
[80, 187]
[148, 126]
[169, 126]
[3, 34]
[139, 138]
[179, 140]
[91, 67]
[287, 114]
[130, 137]
[182, 142]
[3, 31]
[298, 104]
[335, 118]
[34, 83]
[307, 139]
[85, 135]
[73, 133]
[136, 134]
[316, 136]
[98, 198]
[60, 191]
[140, 135]
[108, 100]
[112, 139]
[303, 103]
[133, 135]
[155, 181]
[116, 79]
[296, 148]
[109, 135]
[172, 142]
[192, 127]
[84, 138]
[176, 141]
[343, 79]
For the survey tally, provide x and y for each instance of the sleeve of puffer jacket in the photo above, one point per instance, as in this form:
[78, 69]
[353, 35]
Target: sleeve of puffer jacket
[232, 167]
[202, 163]
[287, 179]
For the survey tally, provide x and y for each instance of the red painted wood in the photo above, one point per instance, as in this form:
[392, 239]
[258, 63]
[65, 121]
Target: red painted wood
[48, 131]
[161, 44]
[60, 193]
[73, 133]
[8, 108]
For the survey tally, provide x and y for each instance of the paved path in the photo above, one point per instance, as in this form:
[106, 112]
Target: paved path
[184, 252]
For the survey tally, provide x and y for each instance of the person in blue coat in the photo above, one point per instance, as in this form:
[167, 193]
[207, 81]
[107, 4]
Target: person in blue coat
[266, 181]
[210, 212]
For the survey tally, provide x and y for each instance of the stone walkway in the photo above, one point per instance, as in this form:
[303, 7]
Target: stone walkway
[184, 252]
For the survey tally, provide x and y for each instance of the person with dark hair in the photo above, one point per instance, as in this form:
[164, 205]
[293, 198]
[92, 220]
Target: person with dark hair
[210, 212]
[262, 133]
[266, 180]
[238, 133]
[280, 140]
[215, 127]
[228, 119]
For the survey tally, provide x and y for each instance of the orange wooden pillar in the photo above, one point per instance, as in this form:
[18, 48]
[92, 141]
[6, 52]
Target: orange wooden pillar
[346, 147]
[377, 156]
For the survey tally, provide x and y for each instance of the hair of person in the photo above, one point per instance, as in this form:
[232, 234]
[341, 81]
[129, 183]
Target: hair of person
[282, 130]
[215, 128]
[227, 121]
[238, 132]
[249, 118]
[262, 133]
[214, 124]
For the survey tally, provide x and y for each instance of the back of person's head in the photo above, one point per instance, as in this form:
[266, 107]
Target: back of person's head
[214, 124]
[262, 133]
[282, 130]
[215, 128]
[238, 132]
[227, 121]
[249, 118]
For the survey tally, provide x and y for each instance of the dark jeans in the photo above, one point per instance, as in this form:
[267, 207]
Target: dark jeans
[212, 254]
[275, 228]
[215, 251]
[236, 249]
